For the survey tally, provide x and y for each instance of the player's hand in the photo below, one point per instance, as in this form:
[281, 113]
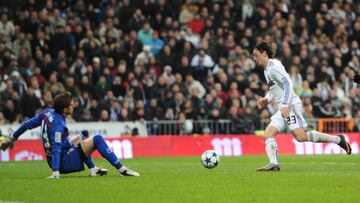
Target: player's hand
[357, 78]
[8, 142]
[54, 175]
[262, 102]
[284, 111]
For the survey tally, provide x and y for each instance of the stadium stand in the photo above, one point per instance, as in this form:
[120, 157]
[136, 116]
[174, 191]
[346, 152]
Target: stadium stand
[127, 60]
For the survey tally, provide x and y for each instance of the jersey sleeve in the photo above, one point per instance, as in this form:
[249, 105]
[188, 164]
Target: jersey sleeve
[268, 96]
[28, 125]
[56, 148]
[285, 80]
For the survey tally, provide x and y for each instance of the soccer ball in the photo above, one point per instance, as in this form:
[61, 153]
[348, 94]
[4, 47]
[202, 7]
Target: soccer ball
[209, 159]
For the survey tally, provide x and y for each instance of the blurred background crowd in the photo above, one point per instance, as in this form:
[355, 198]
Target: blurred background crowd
[129, 60]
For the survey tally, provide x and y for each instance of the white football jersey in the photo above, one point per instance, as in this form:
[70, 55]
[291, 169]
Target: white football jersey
[280, 85]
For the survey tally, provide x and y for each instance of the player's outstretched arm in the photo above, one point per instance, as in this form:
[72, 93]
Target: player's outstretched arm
[262, 102]
[9, 142]
[27, 125]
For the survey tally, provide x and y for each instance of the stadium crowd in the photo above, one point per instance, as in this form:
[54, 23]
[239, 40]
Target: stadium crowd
[126, 60]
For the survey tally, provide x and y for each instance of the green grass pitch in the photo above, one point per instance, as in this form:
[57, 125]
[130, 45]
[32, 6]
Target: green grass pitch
[183, 179]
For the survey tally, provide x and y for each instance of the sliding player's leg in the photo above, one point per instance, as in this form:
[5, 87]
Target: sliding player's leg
[90, 144]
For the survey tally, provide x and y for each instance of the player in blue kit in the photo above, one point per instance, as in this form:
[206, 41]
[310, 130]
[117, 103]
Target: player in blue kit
[64, 155]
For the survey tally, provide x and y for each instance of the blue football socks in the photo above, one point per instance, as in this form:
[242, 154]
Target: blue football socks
[106, 152]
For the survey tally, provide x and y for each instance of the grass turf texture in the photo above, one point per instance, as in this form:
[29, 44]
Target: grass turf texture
[183, 179]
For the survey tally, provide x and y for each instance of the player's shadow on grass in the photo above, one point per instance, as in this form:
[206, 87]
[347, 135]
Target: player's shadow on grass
[87, 176]
[40, 177]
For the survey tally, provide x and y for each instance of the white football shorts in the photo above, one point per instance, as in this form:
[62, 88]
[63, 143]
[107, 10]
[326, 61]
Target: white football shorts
[295, 119]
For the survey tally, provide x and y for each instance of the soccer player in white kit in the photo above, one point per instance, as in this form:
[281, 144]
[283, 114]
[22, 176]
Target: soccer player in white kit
[289, 108]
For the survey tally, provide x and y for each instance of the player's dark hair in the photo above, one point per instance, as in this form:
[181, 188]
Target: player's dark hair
[265, 47]
[62, 101]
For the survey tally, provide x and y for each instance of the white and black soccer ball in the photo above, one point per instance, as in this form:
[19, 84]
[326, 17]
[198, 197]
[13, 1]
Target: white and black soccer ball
[209, 159]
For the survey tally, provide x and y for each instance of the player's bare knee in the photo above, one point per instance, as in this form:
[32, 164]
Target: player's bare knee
[76, 140]
[270, 132]
[300, 138]
[300, 135]
[268, 135]
[88, 145]
[89, 141]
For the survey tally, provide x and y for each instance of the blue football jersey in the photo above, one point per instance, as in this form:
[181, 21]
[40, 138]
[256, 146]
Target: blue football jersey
[54, 134]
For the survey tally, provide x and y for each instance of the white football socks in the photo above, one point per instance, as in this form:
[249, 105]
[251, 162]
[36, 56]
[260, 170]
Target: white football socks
[315, 136]
[272, 150]
[93, 170]
[122, 169]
